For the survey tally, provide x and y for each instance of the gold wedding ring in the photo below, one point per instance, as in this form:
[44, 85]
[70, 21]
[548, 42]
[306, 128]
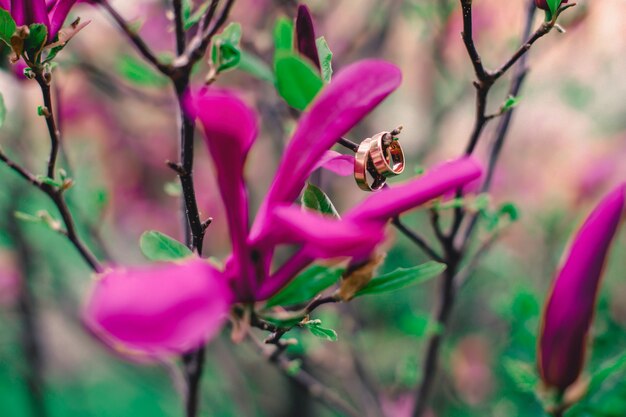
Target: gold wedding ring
[381, 157]
[387, 155]
[363, 164]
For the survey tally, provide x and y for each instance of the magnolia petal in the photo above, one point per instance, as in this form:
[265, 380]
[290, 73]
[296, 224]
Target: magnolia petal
[569, 310]
[322, 236]
[58, 14]
[337, 163]
[160, 309]
[27, 12]
[5, 4]
[305, 35]
[384, 205]
[354, 92]
[230, 128]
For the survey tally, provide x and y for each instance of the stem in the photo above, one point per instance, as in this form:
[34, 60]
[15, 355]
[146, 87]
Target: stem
[181, 40]
[454, 255]
[55, 135]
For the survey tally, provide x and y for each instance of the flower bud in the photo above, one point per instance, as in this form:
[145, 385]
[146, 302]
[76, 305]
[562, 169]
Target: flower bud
[569, 309]
[543, 4]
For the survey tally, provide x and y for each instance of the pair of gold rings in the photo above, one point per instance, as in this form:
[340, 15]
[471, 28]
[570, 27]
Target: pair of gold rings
[381, 157]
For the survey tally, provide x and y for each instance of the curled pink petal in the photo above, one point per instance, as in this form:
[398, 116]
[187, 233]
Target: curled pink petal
[337, 163]
[230, 128]
[569, 309]
[444, 178]
[322, 236]
[27, 12]
[354, 92]
[158, 310]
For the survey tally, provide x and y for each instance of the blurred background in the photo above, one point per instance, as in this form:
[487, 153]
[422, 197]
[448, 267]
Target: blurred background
[566, 147]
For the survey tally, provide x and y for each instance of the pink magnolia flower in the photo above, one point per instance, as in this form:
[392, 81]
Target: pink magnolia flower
[230, 128]
[51, 14]
[543, 4]
[569, 310]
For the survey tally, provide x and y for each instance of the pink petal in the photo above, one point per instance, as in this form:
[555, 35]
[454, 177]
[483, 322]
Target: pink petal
[337, 163]
[27, 12]
[354, 92]
[230, 128]
[323, 236]
[384, 205]
[58, 14]
[570, 307]
[160, 309]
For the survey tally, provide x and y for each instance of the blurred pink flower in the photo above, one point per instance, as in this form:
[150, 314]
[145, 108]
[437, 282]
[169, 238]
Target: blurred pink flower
[569, 309]
[159, 309]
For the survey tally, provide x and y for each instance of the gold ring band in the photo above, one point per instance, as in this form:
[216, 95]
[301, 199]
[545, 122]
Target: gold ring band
[388, 159]
[363, 164]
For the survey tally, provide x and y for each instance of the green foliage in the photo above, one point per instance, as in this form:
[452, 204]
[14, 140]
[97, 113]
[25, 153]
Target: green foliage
[306, 286]
[7, 26]
[510, 103]
[326, 59]
[35, 41]
[139, 73]
[297, 81]
[256, 67]
[190, 17]
[554, 5]
[225, 52]
[523, 374]
[315, 199]
[283, 35]
[402, 278]
[316, 329]
[157, 246]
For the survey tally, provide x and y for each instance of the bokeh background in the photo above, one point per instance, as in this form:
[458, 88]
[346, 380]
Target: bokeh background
[566, 147]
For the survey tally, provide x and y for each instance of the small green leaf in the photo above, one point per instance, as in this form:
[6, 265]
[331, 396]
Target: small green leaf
[306, 286]
[25, 217]
[297, 81]
[315, 199]
[49, 181]
[225, 52]
[510, 210]
[316, 329]
[255, 67]
[7, 26]
[523, 374]
[157, 246]
[283, 35]
[402, 278]
[510, 102]
[294, 367]
[36, 40]
[3, 111]
[139, 73]
[554, 5]
[194, 18]
[326, 58]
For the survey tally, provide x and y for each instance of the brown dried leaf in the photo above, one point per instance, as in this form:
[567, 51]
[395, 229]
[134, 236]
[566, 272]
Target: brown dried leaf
[356, 279]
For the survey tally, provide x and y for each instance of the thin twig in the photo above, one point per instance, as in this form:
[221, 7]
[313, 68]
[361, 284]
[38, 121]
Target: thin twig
[179, 25]
[313, 387]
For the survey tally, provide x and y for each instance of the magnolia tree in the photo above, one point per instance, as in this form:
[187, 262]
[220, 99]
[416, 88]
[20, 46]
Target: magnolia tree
[296, 255]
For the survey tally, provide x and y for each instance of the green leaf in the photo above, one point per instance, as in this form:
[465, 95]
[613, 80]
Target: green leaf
[316, 329]
[554, 5]
[607, 369]
[283, 35]
[326, 58]
[49, 181]
[3, 111]
[139, 73]
[25, 217]
[191, 19]
[315, 199]
[157, 246]
[297, 81]
[306, 286]
[510, 102]
[36, 40]
[522, 373]
[225, 52]
[402, 278]
[255, 67]
[7, 26]
[510, 210]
